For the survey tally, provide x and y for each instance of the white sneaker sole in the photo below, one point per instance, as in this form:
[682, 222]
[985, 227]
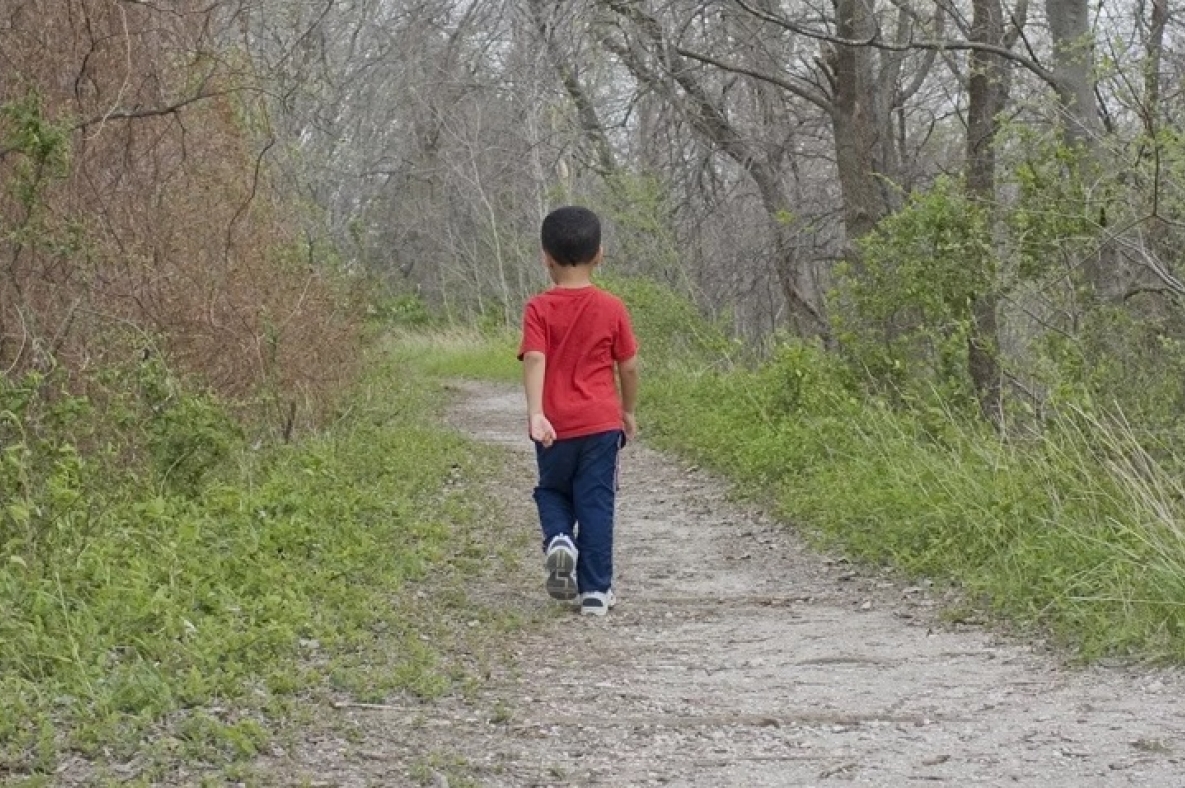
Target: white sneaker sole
[561, 575]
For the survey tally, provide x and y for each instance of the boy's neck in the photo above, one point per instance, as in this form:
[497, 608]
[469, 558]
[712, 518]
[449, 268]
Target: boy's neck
[572, 277]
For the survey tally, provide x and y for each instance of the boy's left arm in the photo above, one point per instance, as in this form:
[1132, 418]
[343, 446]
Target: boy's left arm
[627, 375]
[625, 351]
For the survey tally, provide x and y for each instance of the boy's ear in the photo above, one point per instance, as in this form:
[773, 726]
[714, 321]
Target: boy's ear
[600, 258]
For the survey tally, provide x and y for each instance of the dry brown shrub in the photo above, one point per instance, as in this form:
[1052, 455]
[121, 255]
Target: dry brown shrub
[157, 214]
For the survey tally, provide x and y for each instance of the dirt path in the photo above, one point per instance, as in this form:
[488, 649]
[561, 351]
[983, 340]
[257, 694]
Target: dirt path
[737, 657]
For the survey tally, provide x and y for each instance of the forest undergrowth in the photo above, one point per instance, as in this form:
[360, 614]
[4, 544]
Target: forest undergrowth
[176, 600]
[1072, 527]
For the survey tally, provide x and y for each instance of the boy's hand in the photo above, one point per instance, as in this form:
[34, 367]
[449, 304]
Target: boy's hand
[631, 425]
[541, 430]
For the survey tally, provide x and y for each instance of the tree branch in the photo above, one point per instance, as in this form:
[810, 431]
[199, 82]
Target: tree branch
[876, 42]
[818, 99]
[136, 113]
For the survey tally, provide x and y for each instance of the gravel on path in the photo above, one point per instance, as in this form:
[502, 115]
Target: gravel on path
[737, 656]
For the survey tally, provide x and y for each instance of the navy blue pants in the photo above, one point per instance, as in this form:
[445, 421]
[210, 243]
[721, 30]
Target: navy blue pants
[578, 485]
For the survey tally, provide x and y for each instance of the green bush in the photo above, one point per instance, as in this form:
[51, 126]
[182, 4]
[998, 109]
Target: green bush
[1122, 362]
[1076, 532]
[189, 434]
[903, 313]
[155, 565]
[406, 310]
[670, 327]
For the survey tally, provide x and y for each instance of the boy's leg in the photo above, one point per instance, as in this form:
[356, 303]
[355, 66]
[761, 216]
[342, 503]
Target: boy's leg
[594, 490]
[553, 497]
[553, 494]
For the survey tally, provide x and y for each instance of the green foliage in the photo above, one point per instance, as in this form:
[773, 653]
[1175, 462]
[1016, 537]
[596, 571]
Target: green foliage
[903, 315]
[1087, 350]
[1053, 220]
[669, 326]
[39, 474]
[154, 566]
[406, 311]
[801, 379]
[43, 154]
[1075, 532]
[1121, 361]
[189, 435]
[45, 145]
[638, 209]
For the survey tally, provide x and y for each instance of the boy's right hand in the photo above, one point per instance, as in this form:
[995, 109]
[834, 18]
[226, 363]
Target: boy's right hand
[541, 430]
[631, 425]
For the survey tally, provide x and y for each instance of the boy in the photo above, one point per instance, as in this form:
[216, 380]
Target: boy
[577, 347]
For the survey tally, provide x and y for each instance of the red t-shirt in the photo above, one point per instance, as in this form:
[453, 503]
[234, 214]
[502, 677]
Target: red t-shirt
[582, 332]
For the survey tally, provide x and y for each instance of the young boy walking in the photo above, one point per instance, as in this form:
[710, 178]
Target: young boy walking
[577, 349]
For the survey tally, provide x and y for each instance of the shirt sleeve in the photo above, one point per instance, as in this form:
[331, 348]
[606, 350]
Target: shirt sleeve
[534, 331]
[625, 344]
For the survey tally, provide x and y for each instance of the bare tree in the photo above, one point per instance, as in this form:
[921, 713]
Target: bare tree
[667, 68]
[555, 20]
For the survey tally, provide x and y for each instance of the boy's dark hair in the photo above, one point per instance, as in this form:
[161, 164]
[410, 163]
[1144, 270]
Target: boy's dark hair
[571, 235]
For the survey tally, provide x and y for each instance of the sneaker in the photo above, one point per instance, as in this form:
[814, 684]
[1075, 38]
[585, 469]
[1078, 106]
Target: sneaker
[609, 595]
[596, 603]
[561, 568]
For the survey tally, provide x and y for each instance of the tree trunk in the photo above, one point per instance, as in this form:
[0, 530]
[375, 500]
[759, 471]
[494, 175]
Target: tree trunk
[860, 121]
[799, 290]
[1073, 52]
[987, 91]
[1152, 64]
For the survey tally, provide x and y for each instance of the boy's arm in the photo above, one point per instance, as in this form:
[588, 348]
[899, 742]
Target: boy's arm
[627, 374]
[534, 368]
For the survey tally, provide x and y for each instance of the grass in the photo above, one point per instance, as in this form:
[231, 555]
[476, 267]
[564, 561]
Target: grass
[146, 626]
[462, 353]
[1077, 534]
